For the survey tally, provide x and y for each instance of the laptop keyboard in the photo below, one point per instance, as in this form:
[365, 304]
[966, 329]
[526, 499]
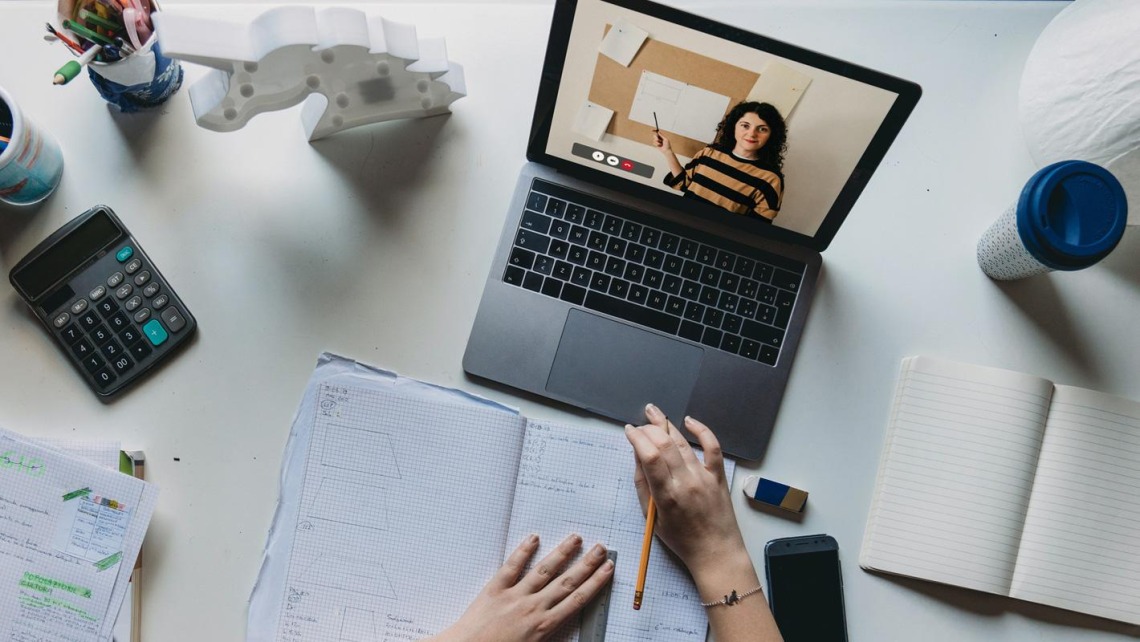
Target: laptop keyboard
[603, 261]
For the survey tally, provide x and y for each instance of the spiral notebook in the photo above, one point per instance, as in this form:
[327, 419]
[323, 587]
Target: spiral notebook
[1007, 483]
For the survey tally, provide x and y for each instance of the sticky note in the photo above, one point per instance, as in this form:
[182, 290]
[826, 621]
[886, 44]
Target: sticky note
[623, 42]
[775, 494]
[592, 120]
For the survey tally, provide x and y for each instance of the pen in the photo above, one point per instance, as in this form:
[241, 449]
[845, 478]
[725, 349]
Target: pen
[646, 544]
[71, 68]
[64, 39]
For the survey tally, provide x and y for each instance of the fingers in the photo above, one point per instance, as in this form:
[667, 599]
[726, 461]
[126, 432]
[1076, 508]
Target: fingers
[585, 592]
[574, 576]
[549, 566]
[648, 455]
[641, 485]
[714, 458]
[508, 574]
[670, 447]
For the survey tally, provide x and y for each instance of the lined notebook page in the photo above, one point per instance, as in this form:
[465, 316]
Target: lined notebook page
[573, 479]
[403, 516]
[1080, 549]
[956, 473]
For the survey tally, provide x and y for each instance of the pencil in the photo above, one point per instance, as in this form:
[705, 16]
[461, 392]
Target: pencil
[71, 68]
[656, 126]
[646, 544]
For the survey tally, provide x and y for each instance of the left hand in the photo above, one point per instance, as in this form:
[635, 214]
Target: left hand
[525, 608]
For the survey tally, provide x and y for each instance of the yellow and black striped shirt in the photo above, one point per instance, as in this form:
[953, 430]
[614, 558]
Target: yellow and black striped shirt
[737, 185]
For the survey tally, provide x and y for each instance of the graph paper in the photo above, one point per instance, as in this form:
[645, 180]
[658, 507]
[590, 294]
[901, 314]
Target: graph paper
[580, 480]
[403, 514]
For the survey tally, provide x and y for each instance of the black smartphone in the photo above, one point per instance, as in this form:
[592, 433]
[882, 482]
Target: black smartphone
[805, 588]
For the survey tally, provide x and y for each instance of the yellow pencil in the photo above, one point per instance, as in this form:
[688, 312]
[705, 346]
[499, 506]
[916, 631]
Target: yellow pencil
[646, 544]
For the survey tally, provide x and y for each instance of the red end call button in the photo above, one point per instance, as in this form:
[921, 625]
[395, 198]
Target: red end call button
[627, 165]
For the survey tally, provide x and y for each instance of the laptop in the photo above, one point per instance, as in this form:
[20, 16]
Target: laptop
[660, 247]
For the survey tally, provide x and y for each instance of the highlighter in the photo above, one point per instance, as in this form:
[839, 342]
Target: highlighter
[775, 494]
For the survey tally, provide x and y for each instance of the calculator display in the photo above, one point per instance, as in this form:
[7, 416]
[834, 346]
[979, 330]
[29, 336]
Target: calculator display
[71, 252]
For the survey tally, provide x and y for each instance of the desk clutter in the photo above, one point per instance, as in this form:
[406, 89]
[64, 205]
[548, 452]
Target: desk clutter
[384, 478]
[71, 531]
[1007, 483]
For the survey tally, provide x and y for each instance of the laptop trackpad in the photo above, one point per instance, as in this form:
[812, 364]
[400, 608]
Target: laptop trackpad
[616, 369]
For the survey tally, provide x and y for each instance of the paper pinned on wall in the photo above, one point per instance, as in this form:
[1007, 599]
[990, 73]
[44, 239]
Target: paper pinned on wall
[592, 120]
[623, 42]
[681, 108]
[781, 86]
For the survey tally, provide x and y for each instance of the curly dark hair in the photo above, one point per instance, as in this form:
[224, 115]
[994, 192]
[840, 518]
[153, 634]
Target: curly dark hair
[772, 153]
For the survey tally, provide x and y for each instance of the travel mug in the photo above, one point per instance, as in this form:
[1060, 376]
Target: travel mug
[31, 162]
[1070, 215]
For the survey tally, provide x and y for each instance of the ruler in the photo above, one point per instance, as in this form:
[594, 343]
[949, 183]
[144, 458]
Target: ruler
[597, 612]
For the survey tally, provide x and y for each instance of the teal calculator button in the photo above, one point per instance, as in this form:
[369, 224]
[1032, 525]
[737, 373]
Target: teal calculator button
[125, 254]
[155, 332]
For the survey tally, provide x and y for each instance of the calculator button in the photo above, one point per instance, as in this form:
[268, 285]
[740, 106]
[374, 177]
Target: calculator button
[133, 303]
[140, 350]
[142, 315]
[101, 335]
[71, 334]
[142, 278]
[93, 362]
[123, 255]
[89, 320]
[173, 319]
[112, 350]
[130, 335]
[97, 293]
[124, 291]
[61, 320]
[79, 306]
[83, 348]
[160, 301]
[155, 332]
[103, 378]
[115, 279]
[107, 307]
[122, 363]
[118, 322]
[133, 266]
[151, 289]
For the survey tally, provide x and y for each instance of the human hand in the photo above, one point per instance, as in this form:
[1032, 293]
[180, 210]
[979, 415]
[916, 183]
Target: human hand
[662, 143]
[522, 608]
[695, 518]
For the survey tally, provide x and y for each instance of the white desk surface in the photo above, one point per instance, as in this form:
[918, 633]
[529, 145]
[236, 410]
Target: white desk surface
[375, 243]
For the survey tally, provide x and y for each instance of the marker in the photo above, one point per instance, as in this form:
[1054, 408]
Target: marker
[86, 33]
[71, 68]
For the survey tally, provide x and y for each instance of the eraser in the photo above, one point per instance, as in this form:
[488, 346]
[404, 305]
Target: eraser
[775, 494]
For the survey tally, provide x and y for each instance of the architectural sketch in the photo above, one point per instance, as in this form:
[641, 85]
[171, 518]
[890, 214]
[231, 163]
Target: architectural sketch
[350, 503]
[359, 450]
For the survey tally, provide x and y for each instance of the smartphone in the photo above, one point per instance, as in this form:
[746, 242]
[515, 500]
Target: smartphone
[805, 589]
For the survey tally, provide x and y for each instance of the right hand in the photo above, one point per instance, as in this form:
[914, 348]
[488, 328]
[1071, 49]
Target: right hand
[662, 143]
[695, 518]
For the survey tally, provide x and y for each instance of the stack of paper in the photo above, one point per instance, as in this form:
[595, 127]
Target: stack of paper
[70, 530]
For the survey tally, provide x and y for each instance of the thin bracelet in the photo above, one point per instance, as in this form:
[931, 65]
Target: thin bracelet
[732, 598]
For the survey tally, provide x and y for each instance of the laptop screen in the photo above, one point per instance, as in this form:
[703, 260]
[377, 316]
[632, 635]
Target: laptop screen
[712, 120]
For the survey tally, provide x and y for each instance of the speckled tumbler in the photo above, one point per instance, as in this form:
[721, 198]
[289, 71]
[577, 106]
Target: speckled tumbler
[1069, 216]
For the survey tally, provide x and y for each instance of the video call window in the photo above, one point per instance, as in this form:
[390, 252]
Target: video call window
[703, 118]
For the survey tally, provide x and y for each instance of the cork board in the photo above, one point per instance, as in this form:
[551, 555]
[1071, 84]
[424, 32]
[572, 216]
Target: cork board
[614, 86]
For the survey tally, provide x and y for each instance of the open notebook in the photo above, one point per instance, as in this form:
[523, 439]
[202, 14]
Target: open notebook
[401, 499]
[1007, 483]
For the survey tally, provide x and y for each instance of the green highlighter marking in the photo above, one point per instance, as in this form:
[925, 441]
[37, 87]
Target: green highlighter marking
[47, 585]
[108, 562]
[82, 492]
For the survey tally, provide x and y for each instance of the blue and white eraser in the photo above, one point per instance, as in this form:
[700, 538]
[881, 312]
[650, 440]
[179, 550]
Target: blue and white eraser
[775, 494]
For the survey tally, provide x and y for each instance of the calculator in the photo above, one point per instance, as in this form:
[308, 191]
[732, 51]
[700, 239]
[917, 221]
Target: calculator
[104, 301]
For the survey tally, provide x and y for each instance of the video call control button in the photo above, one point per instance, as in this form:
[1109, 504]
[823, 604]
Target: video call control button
[612, 160]
[598, 156]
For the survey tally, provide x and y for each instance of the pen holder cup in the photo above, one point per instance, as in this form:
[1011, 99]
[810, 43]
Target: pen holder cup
[31, 163]
[144, 79]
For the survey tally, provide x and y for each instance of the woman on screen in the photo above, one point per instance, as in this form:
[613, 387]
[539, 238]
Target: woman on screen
[742, 170]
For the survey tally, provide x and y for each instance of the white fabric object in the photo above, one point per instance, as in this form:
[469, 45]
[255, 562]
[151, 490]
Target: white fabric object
[1080, 91]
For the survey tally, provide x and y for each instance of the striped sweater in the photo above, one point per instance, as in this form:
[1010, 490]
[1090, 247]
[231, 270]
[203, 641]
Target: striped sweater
[737, 185]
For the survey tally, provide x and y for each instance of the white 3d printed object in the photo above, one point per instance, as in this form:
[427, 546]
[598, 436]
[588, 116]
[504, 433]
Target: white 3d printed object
[349, 69]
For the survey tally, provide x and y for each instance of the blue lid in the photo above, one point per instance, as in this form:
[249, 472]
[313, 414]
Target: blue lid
[1071, 214]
